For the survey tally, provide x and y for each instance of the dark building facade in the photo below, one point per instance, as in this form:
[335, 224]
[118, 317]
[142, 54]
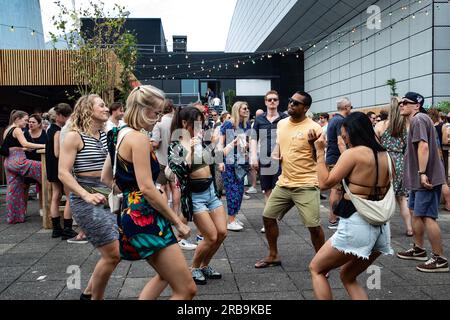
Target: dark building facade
[186, 76]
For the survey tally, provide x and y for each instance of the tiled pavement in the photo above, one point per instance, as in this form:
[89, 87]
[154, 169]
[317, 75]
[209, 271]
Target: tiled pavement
[33, 266]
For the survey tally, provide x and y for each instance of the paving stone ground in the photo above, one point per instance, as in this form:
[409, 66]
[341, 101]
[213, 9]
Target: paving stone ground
[33, 266]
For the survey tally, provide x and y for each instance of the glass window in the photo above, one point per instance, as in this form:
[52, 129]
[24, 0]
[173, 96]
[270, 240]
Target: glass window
[189, 86]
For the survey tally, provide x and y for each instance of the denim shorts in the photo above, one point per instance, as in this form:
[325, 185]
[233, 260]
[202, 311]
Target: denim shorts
[425, 203]
[205, 201]
[358, 237]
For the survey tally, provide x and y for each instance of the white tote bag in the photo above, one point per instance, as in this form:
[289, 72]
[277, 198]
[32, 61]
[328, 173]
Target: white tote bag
[375, 212]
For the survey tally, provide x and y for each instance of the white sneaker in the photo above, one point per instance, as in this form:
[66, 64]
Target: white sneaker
[263, 230]
[234, 226]
[239, 222]
[246, 197]
[252, 190]
[186, 245]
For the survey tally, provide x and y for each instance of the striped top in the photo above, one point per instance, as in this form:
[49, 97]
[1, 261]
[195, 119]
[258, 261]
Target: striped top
[93, 155]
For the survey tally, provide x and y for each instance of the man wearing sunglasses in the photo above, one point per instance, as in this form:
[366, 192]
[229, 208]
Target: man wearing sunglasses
[264, 133]
[424, 176]
[298, 183]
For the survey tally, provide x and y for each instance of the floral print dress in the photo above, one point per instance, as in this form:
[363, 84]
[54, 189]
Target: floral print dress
[143, 230]
[396, 148]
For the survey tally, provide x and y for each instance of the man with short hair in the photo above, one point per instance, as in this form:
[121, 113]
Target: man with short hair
[424, 176]
[298, 183]
[373, 118]
[264, 135]
[344, 107]
[116, 111]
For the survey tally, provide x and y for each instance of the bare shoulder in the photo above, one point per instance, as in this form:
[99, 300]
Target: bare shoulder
[72, 139]
[137, 139]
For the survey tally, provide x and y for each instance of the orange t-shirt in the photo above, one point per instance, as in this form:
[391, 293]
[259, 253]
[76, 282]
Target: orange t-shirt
[298, 166]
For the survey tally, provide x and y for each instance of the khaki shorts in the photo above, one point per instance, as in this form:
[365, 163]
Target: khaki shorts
[306, 200]
[338, 186]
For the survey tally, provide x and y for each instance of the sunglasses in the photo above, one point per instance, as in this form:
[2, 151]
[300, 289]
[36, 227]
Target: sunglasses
[272, 100]
[295, 103]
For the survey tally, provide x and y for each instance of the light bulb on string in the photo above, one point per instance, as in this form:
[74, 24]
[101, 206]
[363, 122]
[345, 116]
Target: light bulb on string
[12, 29]
[151, 60]
[33, 33]
[167, 67]
[187, 57]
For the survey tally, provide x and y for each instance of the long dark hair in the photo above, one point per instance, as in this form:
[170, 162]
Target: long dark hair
[360, 131]
[188, 114]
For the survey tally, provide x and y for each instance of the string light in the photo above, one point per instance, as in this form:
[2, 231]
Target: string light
[312, 44]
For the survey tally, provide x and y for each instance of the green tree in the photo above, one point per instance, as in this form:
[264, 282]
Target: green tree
[393, 84]
[231, 94]
[103, 57]
[443, 106]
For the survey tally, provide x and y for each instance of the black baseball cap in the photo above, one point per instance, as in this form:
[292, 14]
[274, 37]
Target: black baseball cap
[418, 98]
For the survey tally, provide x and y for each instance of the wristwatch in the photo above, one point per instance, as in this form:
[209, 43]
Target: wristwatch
[421, 172]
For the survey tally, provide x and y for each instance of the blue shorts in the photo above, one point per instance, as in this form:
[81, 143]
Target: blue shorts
[358, 237]
[205, 201]
[425, 203]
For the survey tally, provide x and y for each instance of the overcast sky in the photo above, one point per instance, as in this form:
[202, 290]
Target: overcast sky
[205, 22]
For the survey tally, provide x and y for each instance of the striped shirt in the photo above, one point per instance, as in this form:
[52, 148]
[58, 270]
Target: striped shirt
[93, 155]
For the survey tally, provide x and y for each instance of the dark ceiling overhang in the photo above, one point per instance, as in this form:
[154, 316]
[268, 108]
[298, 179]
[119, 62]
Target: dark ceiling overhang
[310, 20]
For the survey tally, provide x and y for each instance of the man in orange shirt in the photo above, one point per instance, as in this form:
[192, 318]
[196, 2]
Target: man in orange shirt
[298, 183]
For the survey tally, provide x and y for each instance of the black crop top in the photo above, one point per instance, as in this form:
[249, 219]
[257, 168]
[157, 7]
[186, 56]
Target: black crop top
[12, 142]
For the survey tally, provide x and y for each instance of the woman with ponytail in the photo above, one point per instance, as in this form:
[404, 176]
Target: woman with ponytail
[18, 167]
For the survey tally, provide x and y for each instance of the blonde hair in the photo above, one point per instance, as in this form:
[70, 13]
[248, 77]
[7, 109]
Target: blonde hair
[81, 119]
[235, 117]
[140, 100]
[397, 123]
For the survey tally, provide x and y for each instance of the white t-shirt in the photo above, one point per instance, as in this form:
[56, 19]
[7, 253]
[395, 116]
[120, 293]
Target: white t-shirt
[216, 102]
[110, 125]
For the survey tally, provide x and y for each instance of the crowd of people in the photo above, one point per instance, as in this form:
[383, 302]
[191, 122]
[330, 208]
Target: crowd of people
[170, 166]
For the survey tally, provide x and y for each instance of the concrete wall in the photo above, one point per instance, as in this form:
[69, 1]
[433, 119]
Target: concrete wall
[255, 19]
[23, 13]
[401, 49]
[441, 67]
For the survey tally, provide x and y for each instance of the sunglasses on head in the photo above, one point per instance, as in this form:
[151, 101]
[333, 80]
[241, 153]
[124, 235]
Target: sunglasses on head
[295, 103]
[272, 100]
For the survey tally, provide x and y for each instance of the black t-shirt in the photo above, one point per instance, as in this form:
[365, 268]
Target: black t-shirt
[50, 158]
[42, 139]
[266, 132]
[333, 131]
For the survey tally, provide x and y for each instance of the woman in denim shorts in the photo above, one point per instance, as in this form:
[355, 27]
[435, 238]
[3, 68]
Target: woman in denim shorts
[199, 199]
[356, 243]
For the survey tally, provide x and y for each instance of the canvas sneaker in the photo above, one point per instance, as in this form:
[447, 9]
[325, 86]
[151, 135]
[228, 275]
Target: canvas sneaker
[186, 245]
[198, 276]
[246, 197]
[239, 222]
[415, 253]
[252, 190]
[234, 226]
[210, 273]
[435, 264]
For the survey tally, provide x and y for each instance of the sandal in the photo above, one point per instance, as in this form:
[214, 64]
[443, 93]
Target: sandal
[265, 264]
[409, 233]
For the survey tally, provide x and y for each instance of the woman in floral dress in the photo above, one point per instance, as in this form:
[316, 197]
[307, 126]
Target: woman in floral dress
[393, 137]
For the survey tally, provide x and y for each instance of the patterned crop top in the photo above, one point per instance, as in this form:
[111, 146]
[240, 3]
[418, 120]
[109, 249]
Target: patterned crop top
[93, 155]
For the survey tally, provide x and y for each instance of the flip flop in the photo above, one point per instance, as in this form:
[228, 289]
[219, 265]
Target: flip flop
[265, 264]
